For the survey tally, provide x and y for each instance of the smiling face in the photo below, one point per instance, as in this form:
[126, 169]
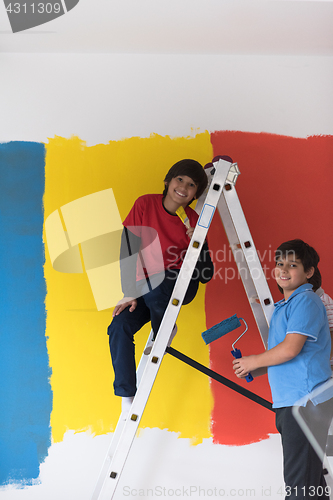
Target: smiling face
[181, 191]
[290, 274]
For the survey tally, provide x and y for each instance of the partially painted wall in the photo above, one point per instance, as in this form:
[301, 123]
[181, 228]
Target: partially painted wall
[77, 358]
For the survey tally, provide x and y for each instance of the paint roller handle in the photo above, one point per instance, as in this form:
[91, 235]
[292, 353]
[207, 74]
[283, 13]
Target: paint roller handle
[237, 354]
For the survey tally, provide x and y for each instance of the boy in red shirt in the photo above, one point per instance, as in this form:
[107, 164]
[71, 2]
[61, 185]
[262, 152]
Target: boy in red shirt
[148, 283]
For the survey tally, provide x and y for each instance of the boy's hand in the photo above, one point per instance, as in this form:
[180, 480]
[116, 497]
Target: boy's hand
[190, 231]
[123, 303]
[243, 366]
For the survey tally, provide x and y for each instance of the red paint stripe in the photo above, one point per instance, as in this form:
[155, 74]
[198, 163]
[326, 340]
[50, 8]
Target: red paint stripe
[285, 189]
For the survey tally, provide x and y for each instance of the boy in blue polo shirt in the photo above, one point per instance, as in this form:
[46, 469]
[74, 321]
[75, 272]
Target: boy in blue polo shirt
[297, 361]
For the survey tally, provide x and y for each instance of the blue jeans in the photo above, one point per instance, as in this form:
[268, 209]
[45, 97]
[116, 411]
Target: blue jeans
[150, 307]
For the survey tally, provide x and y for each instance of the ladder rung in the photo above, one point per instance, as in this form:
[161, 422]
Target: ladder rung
[238, 246]
[254, 300]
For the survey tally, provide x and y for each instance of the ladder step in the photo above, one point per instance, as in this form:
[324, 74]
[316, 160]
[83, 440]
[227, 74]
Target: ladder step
[254, 300]
[238, 246]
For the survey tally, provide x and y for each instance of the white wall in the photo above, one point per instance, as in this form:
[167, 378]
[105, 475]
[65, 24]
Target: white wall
[103, 97]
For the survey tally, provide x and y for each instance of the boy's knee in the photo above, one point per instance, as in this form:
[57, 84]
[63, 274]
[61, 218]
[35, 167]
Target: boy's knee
[111, 328]
[112, 333]
[121, 330]
[114, 330]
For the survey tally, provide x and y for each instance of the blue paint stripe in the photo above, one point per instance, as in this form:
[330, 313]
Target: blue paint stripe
[25, 392]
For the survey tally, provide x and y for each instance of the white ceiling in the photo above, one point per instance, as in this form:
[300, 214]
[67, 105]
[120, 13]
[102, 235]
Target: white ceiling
[181, 27]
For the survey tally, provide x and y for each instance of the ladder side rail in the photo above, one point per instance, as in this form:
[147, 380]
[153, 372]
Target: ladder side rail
[250, 253]
[118, 430]
[107, 461]
[120, 454]
[261, 312]
[139, 373]
[247, 260]
[244, 273]
[251, 292]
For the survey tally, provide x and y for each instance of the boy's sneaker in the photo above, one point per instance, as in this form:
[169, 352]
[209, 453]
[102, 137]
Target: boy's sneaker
[150, 344]
[149, 347]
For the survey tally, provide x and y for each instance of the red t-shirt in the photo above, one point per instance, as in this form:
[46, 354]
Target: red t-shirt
[149, 219]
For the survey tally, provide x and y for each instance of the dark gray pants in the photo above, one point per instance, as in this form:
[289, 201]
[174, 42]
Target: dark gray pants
[302, 467]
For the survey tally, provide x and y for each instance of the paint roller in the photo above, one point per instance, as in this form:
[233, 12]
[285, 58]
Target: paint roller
[183, 216]
[221, 329]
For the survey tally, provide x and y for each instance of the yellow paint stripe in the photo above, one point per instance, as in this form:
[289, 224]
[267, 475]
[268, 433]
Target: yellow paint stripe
[82, 373]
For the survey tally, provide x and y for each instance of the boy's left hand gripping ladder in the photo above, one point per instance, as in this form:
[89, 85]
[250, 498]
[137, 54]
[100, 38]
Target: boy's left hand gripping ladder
[225, 176]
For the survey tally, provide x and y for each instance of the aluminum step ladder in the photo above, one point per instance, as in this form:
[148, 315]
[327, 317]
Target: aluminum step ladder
[221, 195]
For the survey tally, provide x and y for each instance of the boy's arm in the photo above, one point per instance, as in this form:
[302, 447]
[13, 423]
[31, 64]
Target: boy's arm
[258, 372]
[130, 245]
[130, 302]
[288, 349]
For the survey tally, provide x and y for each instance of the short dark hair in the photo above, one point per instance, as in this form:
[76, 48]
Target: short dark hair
[306, 254]
[190, 168]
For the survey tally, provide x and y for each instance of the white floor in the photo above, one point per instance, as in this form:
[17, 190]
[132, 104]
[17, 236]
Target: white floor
[160, 465]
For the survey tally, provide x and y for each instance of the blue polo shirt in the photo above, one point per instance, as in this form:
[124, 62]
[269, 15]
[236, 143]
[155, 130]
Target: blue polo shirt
[302, 313]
